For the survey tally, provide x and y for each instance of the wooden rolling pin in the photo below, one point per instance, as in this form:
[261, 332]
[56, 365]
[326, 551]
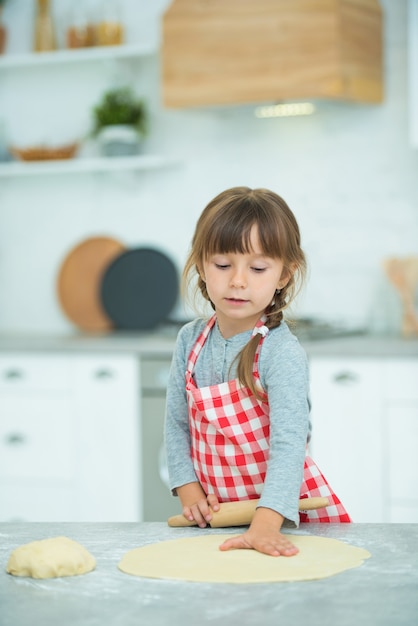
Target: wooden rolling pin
[241, 513]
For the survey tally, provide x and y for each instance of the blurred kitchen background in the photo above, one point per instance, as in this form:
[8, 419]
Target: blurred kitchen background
[348, 170]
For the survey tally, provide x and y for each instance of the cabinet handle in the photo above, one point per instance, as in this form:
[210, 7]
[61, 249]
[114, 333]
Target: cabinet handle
[104, 374]
[15, 439]
[13, 374]
[346, 378]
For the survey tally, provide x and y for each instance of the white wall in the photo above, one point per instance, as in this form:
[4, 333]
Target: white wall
[348, 172]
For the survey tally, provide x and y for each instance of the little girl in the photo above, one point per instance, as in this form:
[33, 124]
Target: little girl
[237, 420]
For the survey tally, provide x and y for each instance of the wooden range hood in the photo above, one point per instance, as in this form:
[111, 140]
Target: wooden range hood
[219, 52]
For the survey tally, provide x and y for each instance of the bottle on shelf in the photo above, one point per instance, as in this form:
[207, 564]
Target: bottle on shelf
[80, 30]
[3, 32]
[110, 29]
[44, 35]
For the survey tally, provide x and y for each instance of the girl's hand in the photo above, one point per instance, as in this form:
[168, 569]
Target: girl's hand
[264, 536]
[201, 510]
[274, 544]
[197, 506]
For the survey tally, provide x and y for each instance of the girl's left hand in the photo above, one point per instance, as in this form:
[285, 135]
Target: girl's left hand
[264, 536]
[274, 545]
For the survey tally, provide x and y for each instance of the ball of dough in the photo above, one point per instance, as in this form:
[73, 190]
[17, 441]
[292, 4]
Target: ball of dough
[50, 558]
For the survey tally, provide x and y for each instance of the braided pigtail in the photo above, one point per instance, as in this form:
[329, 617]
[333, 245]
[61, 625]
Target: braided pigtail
[274, 317]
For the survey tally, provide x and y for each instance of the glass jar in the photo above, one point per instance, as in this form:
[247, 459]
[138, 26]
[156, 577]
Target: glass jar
[44, 35]
[80, 30]
[110, 29]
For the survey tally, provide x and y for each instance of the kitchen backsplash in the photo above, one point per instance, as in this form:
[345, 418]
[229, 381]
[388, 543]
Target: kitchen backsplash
[348, 172]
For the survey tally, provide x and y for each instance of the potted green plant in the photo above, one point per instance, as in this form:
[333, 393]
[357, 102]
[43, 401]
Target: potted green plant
[120, 122]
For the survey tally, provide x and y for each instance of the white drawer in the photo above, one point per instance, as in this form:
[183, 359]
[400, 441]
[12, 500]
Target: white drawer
[404, 512]
[37, 436]
[38, 503]
[401, 379]
[34, 372]
[402, 461]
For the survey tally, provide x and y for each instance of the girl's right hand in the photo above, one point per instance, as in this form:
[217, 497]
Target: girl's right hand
[197, 506]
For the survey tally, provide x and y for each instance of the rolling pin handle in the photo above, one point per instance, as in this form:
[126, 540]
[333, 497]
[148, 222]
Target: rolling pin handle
[241, 513]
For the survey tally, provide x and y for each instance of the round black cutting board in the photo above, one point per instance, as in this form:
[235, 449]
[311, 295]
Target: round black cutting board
[139, 289]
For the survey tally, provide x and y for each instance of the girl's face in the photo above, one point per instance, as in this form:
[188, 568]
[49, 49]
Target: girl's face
[242, 286]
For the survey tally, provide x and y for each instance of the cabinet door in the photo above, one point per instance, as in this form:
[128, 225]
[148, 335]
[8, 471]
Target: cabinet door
[38, 501]
[21, 373]
[70, 447]
[346, 432]
[38, 439]
[109, 450]
[400, 414]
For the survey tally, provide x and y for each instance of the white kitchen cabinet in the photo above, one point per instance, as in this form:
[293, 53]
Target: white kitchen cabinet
[400, 418]
[70, 447]
[346, 432]
[37, 439]
[365, 425]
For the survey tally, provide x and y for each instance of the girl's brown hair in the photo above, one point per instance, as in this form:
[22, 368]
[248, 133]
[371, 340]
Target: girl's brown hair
[225, 226]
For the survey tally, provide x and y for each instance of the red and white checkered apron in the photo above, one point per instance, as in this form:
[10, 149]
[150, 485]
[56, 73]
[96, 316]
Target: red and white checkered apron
[230, 431]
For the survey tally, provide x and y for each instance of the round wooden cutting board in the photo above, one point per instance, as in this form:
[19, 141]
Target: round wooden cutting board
[79, 282]
[139, 289]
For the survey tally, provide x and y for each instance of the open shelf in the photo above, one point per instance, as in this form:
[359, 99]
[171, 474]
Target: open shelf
[85, 165]
[97, 53]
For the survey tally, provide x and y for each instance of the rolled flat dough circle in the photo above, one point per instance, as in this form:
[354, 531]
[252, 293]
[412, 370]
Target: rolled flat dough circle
[50, 558]
[199, 559]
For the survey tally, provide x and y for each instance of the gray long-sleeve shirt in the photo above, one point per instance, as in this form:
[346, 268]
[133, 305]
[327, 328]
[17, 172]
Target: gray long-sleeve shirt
[283, 369]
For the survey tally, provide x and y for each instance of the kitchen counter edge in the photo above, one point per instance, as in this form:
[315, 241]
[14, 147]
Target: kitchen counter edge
[161, 343]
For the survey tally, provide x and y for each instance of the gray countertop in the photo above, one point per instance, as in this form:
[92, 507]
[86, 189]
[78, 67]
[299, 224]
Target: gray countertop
[381, 592]
[161, 342]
